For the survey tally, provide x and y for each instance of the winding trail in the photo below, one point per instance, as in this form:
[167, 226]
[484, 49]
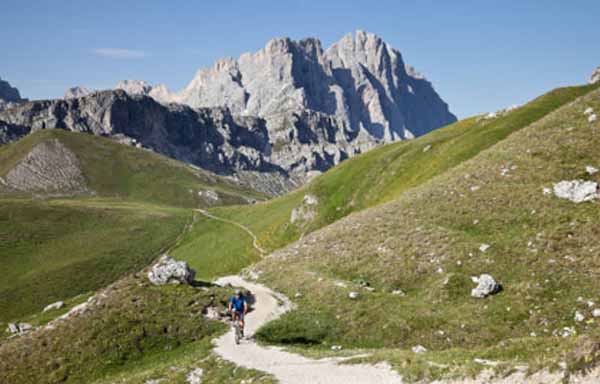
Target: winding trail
[290, 368]
[241, 226]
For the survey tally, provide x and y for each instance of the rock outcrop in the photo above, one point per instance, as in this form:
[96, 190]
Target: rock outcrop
[159, 93]
[169, 271]
[76, 92]
[595, 76]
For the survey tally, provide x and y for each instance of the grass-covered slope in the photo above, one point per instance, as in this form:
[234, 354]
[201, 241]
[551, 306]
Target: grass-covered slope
[54, 250]
[131, 332]
[542, 249]
[364, 181]
[114, 170]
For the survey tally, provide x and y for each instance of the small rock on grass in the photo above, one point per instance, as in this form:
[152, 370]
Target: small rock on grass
[486, 285]
[591, 170]
[57, 305]
[195, 376]
[353, 295]
[579, 316]
[577, 191]
[419, 349]
[596, 312]
[484, 247]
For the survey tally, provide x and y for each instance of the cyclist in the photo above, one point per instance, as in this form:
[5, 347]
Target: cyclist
[238, 306]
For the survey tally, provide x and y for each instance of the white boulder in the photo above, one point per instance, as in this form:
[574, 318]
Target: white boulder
[53, 306]
[306, 211]
[579, 316]
[169, 271]
[588, 111]
[19, 328]
[592, 118]
[577, 191]
[596, 312]
[486, 285]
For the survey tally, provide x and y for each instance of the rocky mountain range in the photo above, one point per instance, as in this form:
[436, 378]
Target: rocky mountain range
[285, 113]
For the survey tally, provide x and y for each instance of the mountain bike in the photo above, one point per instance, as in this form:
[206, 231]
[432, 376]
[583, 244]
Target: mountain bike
[237, 328]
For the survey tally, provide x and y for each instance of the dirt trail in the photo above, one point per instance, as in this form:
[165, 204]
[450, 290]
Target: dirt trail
[289, 368]
[241, 226]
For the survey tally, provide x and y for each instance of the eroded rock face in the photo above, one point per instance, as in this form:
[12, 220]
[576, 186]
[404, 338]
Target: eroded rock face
[49, 167]
[169, 271]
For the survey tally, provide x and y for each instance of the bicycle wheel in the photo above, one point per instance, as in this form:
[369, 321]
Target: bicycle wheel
[238, 333]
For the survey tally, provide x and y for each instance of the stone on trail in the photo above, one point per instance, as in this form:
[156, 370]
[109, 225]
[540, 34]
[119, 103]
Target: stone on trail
[577, 191]
[169, 271]
[57, 305]
[486, 285]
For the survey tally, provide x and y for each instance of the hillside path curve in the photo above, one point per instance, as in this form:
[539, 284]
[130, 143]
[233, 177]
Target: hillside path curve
[289, 368]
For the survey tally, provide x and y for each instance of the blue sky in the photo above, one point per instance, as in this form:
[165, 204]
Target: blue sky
[480, 55]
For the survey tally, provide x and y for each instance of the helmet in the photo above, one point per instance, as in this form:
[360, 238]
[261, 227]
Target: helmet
[238, 292]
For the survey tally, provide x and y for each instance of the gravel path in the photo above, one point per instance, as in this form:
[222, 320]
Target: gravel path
[289, 368]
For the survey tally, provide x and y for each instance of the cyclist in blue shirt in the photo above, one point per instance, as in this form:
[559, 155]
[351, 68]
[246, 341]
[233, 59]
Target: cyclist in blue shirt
[238, 307]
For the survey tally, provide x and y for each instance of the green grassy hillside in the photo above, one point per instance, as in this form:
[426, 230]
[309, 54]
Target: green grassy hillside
[54, 250]
[118, 171]
[542, 250]
[364, 181]
[132, 332]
